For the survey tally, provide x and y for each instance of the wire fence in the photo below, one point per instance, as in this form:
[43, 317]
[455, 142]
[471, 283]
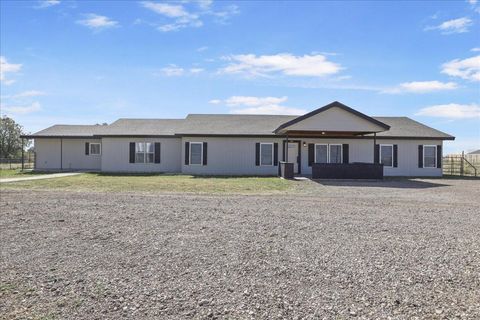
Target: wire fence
[16, 163]
[461, 164]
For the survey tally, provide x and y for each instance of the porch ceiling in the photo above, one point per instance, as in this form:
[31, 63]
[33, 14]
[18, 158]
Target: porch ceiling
[324, 134]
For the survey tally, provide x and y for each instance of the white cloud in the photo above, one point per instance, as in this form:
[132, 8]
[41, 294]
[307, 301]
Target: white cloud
[35, 106]
[29, 94]
[468, 69]
[180, 17]
[459, 25]
[284, 63]
[6, 67]
[472, 2]
[451, 111]
[172, 71]
[201, 49]
[258, 105]
[196, 70]
[48, 3]
[475, 49]
[422, 87]
[97, 22]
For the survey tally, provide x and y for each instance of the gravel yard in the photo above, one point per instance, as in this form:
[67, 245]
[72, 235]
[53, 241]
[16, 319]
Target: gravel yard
[399, 249]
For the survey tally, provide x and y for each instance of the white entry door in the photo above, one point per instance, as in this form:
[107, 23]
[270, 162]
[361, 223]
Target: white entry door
[293, 155]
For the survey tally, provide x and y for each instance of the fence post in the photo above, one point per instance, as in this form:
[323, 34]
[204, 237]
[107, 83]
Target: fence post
[461, 164]
[23, 156]
[451, 166]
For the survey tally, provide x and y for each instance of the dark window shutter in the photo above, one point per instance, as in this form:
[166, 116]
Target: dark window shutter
[257, 154]
[87, 148]
[395, 155]
[132, 152]
[157, 152]
[205, 154]
[187, 153]
[275, 154]
[311, 154]
[439, 156]
[345, 151]
[376, 154]
[420, 156]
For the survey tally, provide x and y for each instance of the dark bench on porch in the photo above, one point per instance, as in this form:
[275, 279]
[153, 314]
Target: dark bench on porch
[355, 170]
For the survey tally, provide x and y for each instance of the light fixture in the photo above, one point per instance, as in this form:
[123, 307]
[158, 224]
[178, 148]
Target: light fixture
[304, 144]
[323, 132]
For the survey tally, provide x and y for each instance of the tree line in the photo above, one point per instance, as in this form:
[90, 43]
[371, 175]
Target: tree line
[10, 141]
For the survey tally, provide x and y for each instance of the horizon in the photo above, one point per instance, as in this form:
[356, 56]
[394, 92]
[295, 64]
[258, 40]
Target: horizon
[72, 62]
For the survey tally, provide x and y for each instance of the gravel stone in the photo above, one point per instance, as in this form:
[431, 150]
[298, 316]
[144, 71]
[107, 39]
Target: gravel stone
[365, 250]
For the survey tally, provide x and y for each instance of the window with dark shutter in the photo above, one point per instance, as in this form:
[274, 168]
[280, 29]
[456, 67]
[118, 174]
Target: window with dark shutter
[311, 154]
[376, 154]
[395, 156]
[157, 152]
[346, 156]
[205, 154]
[257, 153]
[187, 153]
[87, 148]
[420, 156]
[132, 152]
[439, 156]
[275, 154]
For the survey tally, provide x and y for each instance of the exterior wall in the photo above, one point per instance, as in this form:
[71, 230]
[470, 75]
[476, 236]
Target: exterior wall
[230, 156]
[408, 159]
[335, 119]
[116, 155]
[362, 150]
[73, 154]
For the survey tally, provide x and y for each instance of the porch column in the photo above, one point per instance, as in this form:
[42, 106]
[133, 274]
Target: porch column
[23, 155]
[61, 154]
[286, 149]
[374, 145]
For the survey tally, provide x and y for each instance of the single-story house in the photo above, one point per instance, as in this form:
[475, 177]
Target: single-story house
[227, 144]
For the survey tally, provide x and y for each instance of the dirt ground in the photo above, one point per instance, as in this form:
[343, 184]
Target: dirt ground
[399, 249]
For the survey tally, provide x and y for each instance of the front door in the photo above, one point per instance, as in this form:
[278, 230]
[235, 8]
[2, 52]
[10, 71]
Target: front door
[293, 155]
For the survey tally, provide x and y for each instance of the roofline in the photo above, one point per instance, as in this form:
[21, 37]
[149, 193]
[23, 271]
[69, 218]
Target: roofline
[328, 106]
[237, 136]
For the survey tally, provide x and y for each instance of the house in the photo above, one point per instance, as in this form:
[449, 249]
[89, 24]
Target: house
[475, 152]
[221, 144]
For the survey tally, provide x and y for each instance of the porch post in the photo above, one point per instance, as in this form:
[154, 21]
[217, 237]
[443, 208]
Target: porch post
[374, 145]
[23, 155]
[61, 153]
[286, 149]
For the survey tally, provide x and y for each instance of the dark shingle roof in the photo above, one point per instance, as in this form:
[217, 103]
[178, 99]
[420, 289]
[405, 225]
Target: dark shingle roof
[223, 124]
[154, 127]
[408, 128]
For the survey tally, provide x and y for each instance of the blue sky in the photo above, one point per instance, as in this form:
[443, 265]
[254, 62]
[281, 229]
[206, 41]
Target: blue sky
[76, 62]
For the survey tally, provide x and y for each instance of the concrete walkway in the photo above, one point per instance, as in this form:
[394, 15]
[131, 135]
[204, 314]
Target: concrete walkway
[41, 176]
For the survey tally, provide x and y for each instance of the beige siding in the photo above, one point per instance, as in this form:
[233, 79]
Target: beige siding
[230, 156]
[335, 119]
[73, 155]
[116, 155]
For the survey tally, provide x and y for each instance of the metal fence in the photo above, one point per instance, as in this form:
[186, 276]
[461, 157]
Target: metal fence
[16, 163]
[461, 164]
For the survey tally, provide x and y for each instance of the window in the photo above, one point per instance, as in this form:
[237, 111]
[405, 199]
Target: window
[335, 153]
[386, 155]
[266, 154]
[328, 153]
[321, 153]
[144, 152]
[95, 148]
[429, 156]
[196, 153]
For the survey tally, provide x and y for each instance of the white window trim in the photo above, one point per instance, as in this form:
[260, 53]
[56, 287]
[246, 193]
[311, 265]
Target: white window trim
[380, 155]
[145, 153]
[315, 151]
[328, 151]
[435, 166]
[201, 154]
[341, 152]
[266, 143]
[100, 148]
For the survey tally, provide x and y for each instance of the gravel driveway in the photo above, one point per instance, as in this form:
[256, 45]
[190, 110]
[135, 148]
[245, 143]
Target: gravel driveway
[345, 250]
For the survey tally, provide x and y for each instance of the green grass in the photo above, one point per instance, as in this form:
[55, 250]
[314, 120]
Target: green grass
[99, 182]
[18, 173]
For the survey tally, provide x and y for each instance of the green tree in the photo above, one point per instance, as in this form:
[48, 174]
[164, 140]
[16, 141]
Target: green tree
[10, 141]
